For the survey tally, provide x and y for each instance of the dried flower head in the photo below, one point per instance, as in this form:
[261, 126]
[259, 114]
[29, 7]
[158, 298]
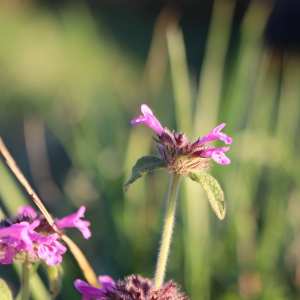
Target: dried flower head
[178, 153]
[133, 287]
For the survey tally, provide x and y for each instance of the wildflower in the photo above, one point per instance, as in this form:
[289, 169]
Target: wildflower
[20, 236]
[75, 221]
[178, 153]
[149, 119]
[50, 249]
[133, 287]
[30, 235]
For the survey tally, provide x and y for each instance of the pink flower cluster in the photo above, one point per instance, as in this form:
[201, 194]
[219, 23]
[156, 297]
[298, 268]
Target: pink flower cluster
[29, 231]
[217, 154]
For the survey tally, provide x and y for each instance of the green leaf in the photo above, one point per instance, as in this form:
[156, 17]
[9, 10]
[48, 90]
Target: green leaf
[5, 292]
[213, 192]
[55, 274]
[142, 166]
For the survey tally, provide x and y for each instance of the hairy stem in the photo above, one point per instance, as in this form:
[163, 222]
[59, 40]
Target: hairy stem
[167, 233]
[25, 280]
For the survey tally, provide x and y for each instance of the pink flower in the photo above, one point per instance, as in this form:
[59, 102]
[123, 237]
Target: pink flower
[178, 153]
[90, 292]
[50, 249]
[214, 135]
[149, 119]
[27, 211]
[7, 253]
[30, 231]
[217, 155]
[20, 235]
[75, 221]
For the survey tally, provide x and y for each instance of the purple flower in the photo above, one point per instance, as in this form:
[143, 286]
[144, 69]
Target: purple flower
[90, 292]
[178, 153]
[27, 211]
[149, 119]
[20, 235]
[30, 231]
[50, 249]
[216, 134]
[217, 155]
[7, 253]
[75, 221]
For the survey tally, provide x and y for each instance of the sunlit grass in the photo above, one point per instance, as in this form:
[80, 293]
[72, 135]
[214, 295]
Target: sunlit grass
[85, 89]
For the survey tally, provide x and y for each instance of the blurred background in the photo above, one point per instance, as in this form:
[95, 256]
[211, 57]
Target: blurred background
[73, 75]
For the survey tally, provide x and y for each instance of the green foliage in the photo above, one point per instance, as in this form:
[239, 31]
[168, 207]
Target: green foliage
[73, 90]
[5, 292]
[142, 166]
[55, 274]
[213, 192]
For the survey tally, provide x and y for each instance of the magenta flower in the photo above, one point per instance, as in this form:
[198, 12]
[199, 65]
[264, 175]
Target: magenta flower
[178, 153]
[216, 134]
[149, 119]
[90, 292]
[75, 221]
[20, 235]
[27, 211]
[7, 253]
[30, 231]
[217, 155]
[50, 249]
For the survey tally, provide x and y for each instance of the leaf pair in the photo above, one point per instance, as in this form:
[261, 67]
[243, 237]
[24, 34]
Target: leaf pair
[210, 185]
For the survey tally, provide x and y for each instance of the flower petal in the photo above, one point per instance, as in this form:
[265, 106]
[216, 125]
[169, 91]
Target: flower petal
[149, 119]
[217, 155]
[7, 253]
[75, 221]
[27, 211]
[107, 282]
[88, 292]
[216, 134]
[50, 249]
[19, 235]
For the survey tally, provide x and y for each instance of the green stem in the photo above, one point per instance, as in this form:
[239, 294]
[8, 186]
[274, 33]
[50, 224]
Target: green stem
[167, 233]
[25, 280]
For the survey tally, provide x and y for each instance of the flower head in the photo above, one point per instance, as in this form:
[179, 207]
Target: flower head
[133, 287]
[178, 153]
[30, 234]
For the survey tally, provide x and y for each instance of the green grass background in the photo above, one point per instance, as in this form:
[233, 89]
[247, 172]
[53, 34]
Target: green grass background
[68, 87]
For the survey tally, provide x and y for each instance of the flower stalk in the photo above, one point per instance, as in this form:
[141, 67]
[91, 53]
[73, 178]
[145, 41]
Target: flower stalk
[167, 232]
[25, 280]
